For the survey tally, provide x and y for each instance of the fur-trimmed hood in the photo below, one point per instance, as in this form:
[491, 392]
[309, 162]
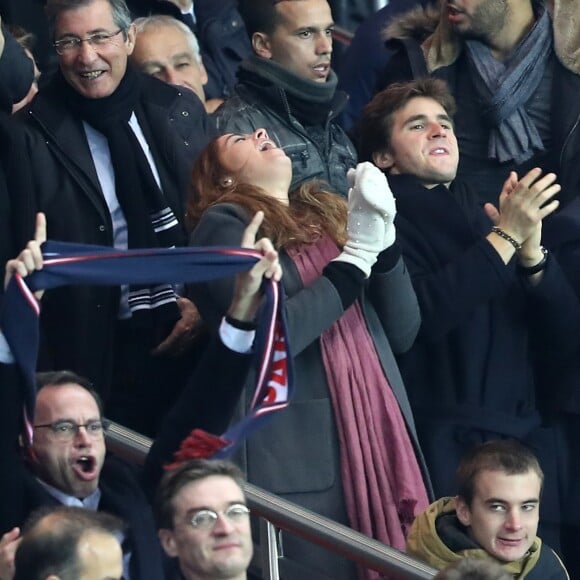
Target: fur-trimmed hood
[441, 46]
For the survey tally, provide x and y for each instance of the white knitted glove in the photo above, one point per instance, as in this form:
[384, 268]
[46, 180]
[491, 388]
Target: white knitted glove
[371, 213]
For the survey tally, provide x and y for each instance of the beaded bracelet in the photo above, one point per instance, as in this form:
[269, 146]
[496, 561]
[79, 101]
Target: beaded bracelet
[541, 265]
[507, 237]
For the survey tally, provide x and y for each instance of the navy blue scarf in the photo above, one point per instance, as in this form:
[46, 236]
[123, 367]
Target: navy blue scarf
[68, 264]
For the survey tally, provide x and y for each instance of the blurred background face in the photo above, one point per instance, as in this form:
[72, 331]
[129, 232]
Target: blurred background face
[100, 557]
[93, 71]
[33, 87]
[302, 42]
[478, 19]
[165, 53]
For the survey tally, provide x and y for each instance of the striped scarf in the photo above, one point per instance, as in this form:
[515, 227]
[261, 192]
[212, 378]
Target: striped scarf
[66, 263]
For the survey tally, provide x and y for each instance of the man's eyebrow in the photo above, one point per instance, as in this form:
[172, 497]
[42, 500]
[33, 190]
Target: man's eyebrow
[194, 510]
[505, 502]
[183, 54]
[440, 117]
[314, 28]
[89, 33]
[150, 63]
[414, 118]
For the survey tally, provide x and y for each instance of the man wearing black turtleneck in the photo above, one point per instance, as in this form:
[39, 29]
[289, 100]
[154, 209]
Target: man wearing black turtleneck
[288, 87]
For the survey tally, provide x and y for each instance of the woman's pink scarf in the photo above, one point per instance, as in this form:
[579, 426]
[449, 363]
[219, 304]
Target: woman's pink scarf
[382, 481]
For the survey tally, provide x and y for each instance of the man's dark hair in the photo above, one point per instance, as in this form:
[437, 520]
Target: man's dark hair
[188, 472]
[50, 541]
[261, 15]
[54, 8]
[471, 569]
[373, 133]
[56, 378]
[507, 456]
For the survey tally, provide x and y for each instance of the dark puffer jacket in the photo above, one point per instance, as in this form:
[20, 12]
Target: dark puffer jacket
[323, 151]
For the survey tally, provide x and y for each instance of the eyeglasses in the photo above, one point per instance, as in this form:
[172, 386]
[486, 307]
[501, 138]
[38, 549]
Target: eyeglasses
[206, 519]
[71, 44]
[67, 430]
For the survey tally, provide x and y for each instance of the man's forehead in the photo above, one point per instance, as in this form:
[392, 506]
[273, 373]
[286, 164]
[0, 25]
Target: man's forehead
[421, 106]
[65, 396]
[304, 13]
[213, 491]
[497, 483]
[101, 13]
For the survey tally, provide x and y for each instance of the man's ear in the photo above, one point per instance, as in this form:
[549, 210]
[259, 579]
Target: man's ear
[261, 45]
[167, 542]
[130, 40]
[462, 510]
[203, 74]
[383, 159]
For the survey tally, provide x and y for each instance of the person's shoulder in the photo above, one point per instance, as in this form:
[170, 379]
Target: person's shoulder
[549, 566]
[241, 101]
[227, 211]
[166, 95]
[119, 474]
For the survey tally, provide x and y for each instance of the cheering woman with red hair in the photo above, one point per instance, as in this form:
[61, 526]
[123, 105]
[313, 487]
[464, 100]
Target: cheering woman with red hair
[346, 446]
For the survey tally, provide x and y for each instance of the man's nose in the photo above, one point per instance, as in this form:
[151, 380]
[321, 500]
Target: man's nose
[82, 437]
[438, 130]
[324, 43]
[170, 76]
[223, 526]
[513, 520]
[86, 52]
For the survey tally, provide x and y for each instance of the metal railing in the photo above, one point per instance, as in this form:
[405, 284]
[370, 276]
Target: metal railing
[276, 513]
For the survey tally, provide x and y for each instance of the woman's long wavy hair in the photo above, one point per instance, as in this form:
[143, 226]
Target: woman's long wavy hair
[312, 211]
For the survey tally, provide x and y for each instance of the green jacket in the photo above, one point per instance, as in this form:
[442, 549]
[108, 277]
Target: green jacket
[437, 528]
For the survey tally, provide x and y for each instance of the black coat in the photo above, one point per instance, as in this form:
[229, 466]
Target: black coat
[470, 374]
[54, 171]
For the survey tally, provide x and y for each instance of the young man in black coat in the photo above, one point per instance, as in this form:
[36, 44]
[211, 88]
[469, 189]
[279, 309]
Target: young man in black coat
[490, 294]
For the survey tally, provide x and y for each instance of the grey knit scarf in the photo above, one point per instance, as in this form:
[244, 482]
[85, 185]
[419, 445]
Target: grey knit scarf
[505, 87]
